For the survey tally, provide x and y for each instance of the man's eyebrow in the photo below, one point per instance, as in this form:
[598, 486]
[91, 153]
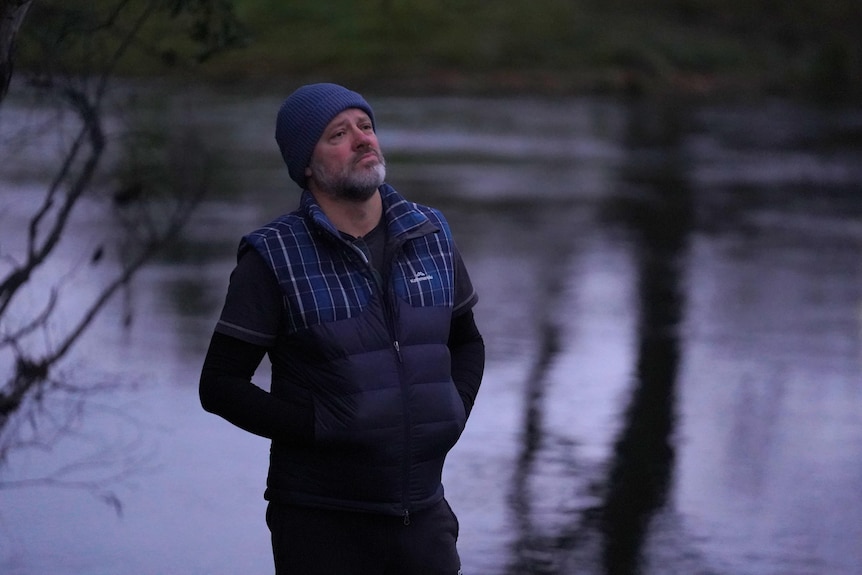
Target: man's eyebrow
[339, 124]
[361, 119]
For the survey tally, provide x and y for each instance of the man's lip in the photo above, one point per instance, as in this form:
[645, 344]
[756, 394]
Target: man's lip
[367, 155]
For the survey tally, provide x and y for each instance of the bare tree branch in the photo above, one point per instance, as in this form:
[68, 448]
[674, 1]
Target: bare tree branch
[38, 405]
[12, 14]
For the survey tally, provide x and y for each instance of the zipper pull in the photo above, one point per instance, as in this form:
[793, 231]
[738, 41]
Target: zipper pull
[406, 517]
[397, 347]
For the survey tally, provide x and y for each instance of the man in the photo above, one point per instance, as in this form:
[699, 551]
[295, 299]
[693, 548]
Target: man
[363, 305]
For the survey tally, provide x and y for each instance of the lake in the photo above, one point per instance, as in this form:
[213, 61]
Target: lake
[671, 301]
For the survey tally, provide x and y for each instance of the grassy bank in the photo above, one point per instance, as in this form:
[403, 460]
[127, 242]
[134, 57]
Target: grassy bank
[710, 47]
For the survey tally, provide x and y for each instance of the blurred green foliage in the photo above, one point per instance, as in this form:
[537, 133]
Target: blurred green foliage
[798, 47]
[97, 37]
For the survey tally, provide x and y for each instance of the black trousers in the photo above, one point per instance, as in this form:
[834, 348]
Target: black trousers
[307, 541]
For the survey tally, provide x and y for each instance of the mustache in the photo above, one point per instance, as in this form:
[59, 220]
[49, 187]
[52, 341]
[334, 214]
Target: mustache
[362, 153]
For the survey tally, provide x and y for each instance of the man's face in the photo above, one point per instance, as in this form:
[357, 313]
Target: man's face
[347, 162]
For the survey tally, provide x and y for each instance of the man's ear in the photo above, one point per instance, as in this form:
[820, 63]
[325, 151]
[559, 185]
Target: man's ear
[308, 172]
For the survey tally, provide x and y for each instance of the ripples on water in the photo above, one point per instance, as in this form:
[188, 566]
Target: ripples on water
[671, 298]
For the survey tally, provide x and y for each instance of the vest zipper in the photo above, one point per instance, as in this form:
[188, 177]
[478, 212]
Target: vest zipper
[405, 407]
[389, 303]
[391, 311]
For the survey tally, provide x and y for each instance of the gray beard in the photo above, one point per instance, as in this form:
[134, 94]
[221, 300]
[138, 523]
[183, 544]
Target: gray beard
[350, 184]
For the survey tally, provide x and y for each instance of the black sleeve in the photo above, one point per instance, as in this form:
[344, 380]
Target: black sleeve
[465, 294]
[253, 306]
[468, 357]
[226, 389]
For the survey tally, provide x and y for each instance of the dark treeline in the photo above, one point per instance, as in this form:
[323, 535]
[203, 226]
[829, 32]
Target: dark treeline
[805, 47]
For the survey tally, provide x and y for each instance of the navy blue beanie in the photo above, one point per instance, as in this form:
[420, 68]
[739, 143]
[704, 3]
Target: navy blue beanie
[303, 117]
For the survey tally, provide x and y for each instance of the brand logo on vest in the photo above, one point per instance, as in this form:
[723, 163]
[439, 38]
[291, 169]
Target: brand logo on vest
[420, 277]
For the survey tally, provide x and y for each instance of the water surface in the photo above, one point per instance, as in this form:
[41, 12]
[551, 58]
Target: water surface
[671, 299]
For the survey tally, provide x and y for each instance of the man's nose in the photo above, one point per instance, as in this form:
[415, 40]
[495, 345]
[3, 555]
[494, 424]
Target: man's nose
[362, 138]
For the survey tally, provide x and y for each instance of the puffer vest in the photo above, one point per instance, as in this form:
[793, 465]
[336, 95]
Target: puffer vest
[371, 353]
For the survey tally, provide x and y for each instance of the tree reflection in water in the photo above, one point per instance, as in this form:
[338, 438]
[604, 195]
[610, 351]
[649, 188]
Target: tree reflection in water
[655, 210]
